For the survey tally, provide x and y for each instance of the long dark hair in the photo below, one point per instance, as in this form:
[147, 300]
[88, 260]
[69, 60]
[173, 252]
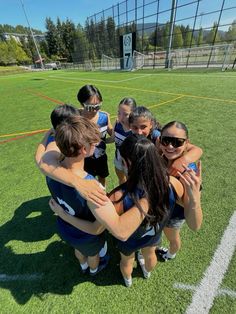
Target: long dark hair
[146, 172]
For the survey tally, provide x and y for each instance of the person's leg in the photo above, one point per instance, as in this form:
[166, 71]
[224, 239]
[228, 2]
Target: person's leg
[121, 176]
[150, 260]
[173, 236]
[126, 268]
[93, 262]
[82, 260]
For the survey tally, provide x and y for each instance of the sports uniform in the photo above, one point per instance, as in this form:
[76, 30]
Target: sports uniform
[97, 164]
[119, 136]
[74, 204]
[177, 217]
[145, 235]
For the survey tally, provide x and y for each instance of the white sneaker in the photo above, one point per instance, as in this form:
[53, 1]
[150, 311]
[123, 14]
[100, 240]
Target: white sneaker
[141, 261]
[128, 282]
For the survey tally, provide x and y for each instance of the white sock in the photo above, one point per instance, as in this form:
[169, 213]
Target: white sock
[92, 271]
[128, 281]
[169, 255]
[84, 266]
[103, 251]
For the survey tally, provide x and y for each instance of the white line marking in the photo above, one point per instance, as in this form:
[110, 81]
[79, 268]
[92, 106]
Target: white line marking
[98, 80]
[204, 295]
[227, 292]
[200, 75]
[26, 277]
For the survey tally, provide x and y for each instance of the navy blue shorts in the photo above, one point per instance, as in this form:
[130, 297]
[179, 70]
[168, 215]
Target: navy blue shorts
[87, 244]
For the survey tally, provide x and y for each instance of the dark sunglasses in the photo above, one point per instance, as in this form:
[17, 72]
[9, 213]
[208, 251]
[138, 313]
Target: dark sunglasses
[174, 141]
[90, 107]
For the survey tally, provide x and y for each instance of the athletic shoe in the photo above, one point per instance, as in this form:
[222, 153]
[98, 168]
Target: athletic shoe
[84, 271]
[161, 250]
[165, 257]
[128, 282]
[102, 264]
[141, 261]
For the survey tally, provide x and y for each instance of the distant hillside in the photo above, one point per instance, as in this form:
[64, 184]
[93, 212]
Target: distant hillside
[19, 29]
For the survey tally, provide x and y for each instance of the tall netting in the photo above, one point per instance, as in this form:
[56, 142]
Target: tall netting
[108, 63]
[169, 33]
[217, 56]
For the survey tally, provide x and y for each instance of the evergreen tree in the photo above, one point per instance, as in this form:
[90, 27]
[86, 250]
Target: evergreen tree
[177, 40]
[231, 34]
[52, 37]
[213, 36]
[112, 38]
[200, 37]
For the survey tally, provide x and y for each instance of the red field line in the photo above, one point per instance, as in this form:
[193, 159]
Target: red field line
[44, 96]
[22, 136]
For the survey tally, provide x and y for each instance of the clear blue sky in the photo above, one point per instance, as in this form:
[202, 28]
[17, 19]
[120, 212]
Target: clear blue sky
[37, 10]
[78, 10]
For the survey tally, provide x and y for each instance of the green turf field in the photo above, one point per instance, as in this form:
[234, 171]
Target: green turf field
[38, 272]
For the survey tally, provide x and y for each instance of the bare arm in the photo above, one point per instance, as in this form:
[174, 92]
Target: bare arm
[122, 226]
[192, 197]
[193, 154]
[48, 163]
[42, 147]
[94, 228]
[109, 127]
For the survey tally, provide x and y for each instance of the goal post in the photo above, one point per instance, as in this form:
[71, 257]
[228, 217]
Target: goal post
[108, 63]
[138, 60]
[218, 56]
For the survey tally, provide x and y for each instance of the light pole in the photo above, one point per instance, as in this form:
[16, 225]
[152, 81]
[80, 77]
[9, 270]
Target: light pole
[32, 34]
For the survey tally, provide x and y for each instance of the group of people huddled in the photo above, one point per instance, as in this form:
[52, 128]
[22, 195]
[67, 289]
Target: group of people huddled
[159, 176]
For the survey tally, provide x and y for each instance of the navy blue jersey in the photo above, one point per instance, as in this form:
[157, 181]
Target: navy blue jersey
[178, 211]
[103, 126]
[50, 139]
[145, 235]
[74, 204]
[120, 136]
[70, 199]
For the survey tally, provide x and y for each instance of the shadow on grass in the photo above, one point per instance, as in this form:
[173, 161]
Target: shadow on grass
[55, 268]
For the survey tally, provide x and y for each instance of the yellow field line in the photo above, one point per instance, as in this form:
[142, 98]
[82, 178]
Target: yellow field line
[112, 117]
[23, 133]
[152, 91]
[160, 104]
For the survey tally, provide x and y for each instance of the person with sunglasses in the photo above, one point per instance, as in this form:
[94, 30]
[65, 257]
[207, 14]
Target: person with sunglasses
[173, 144]
[90, 99]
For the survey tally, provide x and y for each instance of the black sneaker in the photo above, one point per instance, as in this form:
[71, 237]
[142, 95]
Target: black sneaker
[161, 250]
[102, 264]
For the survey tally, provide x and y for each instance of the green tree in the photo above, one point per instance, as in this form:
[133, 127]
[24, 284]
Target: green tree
[3, 53]
[52, 37]
[177, 41]
[213, 36]
[200, 37]
[82, 50]
[231, 33]
[112, 38]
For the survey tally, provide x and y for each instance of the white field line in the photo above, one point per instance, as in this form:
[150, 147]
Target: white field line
[26, 277]
[227, 292]
[207, 290]
[194, 75]
[98, 80]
